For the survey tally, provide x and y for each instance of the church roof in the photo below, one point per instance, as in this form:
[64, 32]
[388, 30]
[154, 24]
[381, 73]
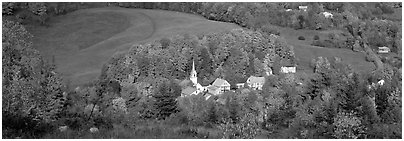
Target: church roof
[185, 82]
[220, 82]
[188, 90]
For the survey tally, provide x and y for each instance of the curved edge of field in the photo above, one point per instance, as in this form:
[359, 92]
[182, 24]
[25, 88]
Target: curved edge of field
[80, 65]
[305, 52]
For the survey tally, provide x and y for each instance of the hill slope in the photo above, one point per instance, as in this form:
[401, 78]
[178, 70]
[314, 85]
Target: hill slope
[82, 41]
[305, 52]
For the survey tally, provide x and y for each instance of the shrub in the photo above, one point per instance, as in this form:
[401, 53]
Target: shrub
[301, 38]
[325, 43]
[246, 128]
[270, 29]
[316, 37]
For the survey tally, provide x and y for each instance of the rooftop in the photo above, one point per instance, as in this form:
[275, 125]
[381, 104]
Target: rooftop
[221, 82]
[188, 90]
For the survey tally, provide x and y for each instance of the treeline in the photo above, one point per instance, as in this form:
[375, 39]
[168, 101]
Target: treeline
[233, 55]
[352, 18]
[40, 12]
[33, 95]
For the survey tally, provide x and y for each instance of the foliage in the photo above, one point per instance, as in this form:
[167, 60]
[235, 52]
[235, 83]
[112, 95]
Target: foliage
[316, 37]
[32, 90]
[301, 38]
[246, 128]
[348, 126]
[8, 8]
[165, 96]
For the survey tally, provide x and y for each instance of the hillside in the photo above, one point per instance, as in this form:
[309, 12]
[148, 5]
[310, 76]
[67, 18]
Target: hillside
[82, 41]
[305, 52]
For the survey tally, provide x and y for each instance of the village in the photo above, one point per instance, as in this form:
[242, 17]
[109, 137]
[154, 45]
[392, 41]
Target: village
[202, 70]
[220, 85]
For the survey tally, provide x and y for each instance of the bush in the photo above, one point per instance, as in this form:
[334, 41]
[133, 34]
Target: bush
[270, 29]
[301, 38]
[316, 37]
[325, 43]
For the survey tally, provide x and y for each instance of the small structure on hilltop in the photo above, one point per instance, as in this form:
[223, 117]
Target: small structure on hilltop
[288, 69]
[222, 85]
[381, 82]
[93, 129]
[304, 8]
[383, 49]
[327, 15]
[255, 82]
[63, 128]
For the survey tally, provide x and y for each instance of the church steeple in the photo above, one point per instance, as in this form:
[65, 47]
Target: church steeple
[193, 76]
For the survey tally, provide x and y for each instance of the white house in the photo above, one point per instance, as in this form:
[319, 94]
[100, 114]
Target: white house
[222, 85]
[304, 8]
[288, 69]
[256, 82]
[327, 14]
[288, 10]
[383, 50]
[381, 82]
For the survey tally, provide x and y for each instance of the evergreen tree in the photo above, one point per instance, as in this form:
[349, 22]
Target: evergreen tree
[165, 96]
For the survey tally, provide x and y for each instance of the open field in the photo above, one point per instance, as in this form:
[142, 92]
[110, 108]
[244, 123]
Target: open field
[305, 52]
[82, 41]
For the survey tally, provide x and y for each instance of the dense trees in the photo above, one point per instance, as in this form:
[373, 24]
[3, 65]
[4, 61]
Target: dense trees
[165, 96]
[231, 51]
[31, 88]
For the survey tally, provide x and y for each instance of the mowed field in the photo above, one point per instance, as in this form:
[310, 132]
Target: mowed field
[305, 52]
[82, 41]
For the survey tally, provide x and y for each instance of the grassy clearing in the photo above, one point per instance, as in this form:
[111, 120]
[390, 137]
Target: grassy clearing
[82, 41]
[306, 52]
[85, 39]
[143, 131]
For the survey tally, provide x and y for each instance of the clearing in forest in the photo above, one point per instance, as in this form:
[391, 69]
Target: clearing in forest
[82, 41]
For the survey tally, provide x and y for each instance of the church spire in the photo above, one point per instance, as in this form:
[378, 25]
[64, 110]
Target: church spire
[193, 76]
[193, 66]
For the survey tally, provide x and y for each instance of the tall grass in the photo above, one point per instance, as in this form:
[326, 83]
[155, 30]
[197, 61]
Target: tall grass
[147, 130]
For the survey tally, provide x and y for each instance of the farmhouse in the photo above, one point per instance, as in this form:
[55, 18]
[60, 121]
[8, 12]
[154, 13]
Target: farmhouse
[222, 85]
[327, 14]
[288, 69]
[288, 10]
[383, 50]
[304, 8]
[256, 82]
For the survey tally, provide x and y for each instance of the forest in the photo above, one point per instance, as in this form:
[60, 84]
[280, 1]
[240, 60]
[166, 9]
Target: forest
[138, 94]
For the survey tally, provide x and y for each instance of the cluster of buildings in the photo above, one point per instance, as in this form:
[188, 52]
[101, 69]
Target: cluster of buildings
[305, 7]
[383, 50]
[219, 86]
